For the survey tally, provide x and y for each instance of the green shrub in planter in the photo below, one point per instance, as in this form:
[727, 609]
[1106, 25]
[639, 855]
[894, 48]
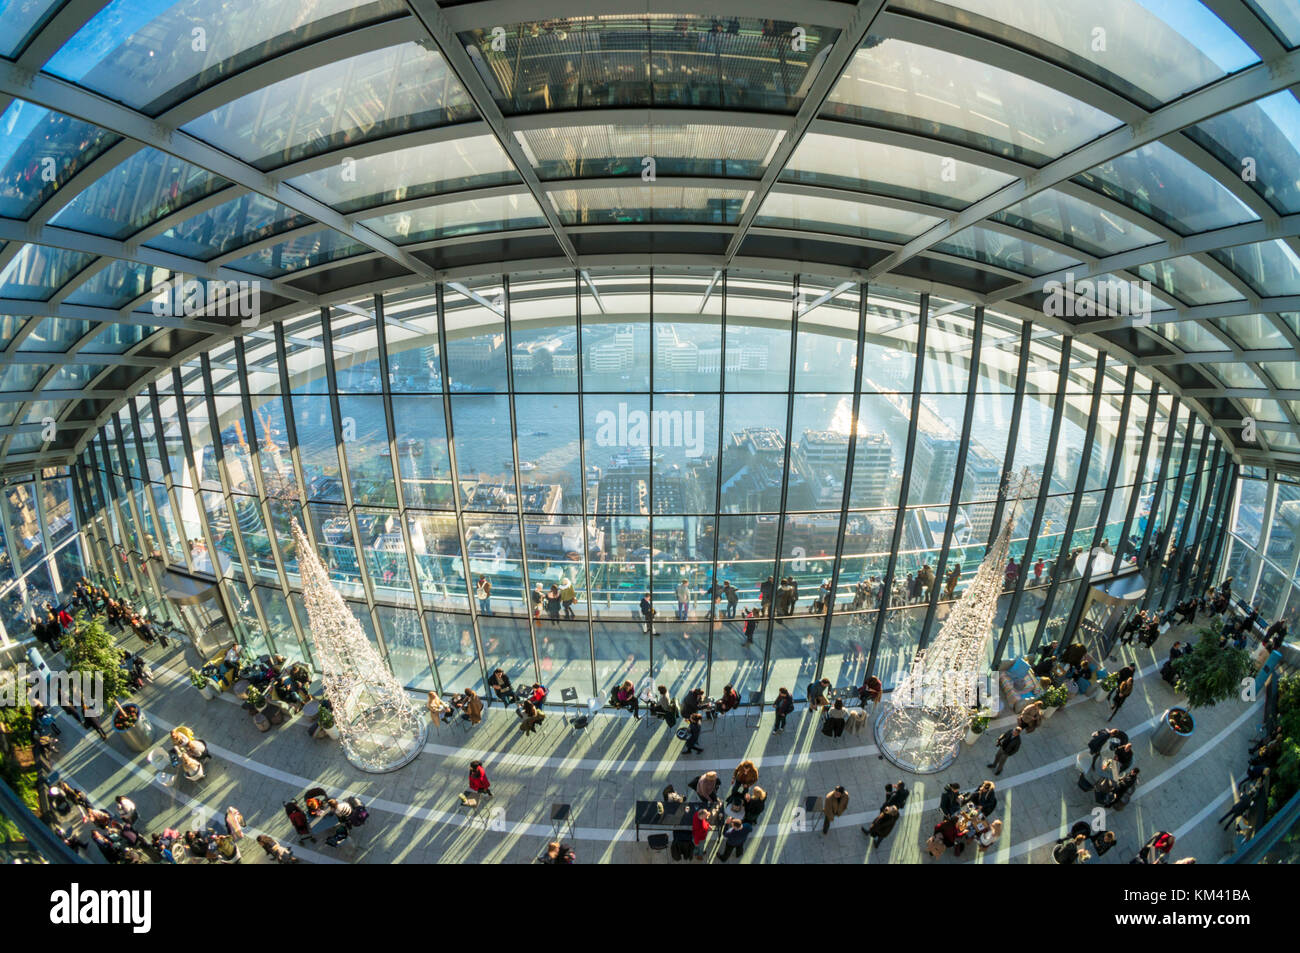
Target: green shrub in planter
[325, 718]
[255, 698]
[1110, 682]
[1211, 674]
[979, 722]
[1054, 697]
[198, 679]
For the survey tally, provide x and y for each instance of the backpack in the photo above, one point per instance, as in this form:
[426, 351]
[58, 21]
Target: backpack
[359, 813]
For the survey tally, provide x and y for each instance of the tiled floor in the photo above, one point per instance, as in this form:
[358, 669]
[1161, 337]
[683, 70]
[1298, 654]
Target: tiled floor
[415, 815]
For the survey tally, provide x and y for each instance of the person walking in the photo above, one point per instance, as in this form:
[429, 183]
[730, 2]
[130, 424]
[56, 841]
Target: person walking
[693, 734]
[234, 823]
[1122, 692]
[478, 780]
[276, 851]
[126, 810]
[1156, 850]
[1007, 745]
[882, 825]
[833, 805]
[734, 836]
[782, 708]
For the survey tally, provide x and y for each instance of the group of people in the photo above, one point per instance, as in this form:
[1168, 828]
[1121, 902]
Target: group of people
[733, 814]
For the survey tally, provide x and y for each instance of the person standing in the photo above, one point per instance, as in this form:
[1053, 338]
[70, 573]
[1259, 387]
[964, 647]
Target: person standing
[700, 828]
[484, 593]
[553, 604]
[647, 614]
[833, 805]
[782, 707]
[693, 734]
[1122, 692]
[734, 836]
[896, 795]
[882, 825]
[1070, 850]
[751, 623]
[755, 801]
[568, 596]
[1007, 745]
[1156, 850]
[1097, 742]
[683, 600]
[733, 598]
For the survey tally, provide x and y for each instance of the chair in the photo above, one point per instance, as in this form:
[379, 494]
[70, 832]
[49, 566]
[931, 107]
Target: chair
[568, 696]
[657, 842]
[812, 807]
[755, 709]
[562, 820]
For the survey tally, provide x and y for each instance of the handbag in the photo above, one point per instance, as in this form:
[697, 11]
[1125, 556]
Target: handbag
[683, 733]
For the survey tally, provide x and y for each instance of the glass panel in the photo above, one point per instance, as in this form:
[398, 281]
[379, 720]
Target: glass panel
[151, 56]
[571, 152]
[365, 443]
[407, 656]
[145, 188]
[495, 214]
[662, 203]
[1004, 251]
[41, 151]
[36, 272]
[932, 92]
[1156, 50]
[1263, 138]
[1161, 184]
[54, 335]
[1188, 280]
[422, 452]
[406, 174]
[236, 223]
[118, 284]
[20, 22]
[890, 170]
[1282, 18]
[1252, 331]
[1062, 217]
[1270, 268]
[306, 251]
[658, 59]
[317, 449]
[546, 436]
[857, 219]
[371, 96]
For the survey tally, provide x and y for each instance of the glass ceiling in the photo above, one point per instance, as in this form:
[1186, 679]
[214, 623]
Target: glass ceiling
[333, 149]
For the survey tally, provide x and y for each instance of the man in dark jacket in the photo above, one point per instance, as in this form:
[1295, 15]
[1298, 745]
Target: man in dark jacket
[1007, 745]
[896, 795]
[1097, 743]
[883, 824]
[734, 837]
[951, 800]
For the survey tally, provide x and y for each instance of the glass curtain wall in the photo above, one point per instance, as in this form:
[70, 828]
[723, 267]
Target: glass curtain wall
[686, 478]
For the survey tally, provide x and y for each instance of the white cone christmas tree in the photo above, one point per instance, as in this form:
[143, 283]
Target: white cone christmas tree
[379, 728]
[929, 710]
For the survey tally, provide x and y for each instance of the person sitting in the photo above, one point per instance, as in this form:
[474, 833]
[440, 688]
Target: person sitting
[1031, 716]
[835, 716]
[952, 830]
[730, 699]
[951, 800]
[192, 769]
[1176, 651]
[470, 705]
[529, 717]
[1275, 635]
[537, 694]
[625, 697]
[871, 691]
[664, 707]
[438, 709]
[984, 798]
[817, 694]
[501, 687]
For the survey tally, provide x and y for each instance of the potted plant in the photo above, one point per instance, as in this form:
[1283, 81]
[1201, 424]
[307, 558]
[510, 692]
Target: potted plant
[324, 722]
[1106, 686]
[1053, 698]
[979, 723]
[1210, 674]
[1176, 726]
[202, 683]
[90, 649]
[255, 698]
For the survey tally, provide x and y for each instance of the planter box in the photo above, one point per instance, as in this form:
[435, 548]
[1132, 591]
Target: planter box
[972, 737]
[1049, 711]
[139, 737]
[1166, 739]
[208, 691]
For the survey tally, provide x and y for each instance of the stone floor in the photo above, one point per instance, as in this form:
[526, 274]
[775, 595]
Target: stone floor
[415, 815]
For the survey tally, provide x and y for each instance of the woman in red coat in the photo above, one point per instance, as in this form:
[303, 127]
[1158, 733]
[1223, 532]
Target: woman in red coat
[478, 779]
[700, 831]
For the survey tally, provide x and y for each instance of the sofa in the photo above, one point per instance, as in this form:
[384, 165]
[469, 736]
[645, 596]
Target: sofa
[1019, 684]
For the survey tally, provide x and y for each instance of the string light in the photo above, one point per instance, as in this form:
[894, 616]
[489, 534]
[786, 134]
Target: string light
[929, 711]
[378, 727]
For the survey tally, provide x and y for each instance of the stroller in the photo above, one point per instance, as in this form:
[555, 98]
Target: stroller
[299, 820]
[315, 802]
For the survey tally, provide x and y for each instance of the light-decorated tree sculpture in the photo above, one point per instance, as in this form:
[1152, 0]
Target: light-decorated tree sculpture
[921, 725]
[378, 727]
